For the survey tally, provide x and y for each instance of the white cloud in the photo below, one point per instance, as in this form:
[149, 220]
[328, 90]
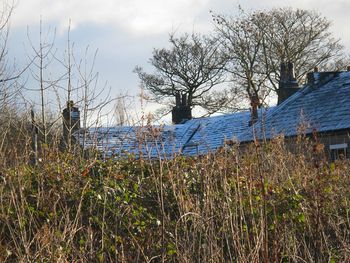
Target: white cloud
[134, 16]
[113, 25]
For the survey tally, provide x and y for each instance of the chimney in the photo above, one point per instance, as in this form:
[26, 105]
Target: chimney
[184, 100]
[255, 103]
[283, 73]
[71, 122]
[310, 78]
[288, 84]
[182, 110]
[291, 73]
[316, 78]
[177, 99]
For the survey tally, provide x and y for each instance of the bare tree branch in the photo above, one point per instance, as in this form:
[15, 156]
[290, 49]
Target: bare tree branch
[257, 42]
[193, 66]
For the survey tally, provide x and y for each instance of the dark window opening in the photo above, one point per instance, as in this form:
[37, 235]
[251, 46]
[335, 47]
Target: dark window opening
[339, 151]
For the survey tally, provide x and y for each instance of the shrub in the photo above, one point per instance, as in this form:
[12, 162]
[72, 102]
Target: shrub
[261, 205]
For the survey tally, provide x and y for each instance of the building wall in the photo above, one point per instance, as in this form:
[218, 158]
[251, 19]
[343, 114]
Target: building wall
[336, 145]
[328, 140]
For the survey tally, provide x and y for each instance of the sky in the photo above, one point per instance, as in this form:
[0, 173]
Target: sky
[124, 33]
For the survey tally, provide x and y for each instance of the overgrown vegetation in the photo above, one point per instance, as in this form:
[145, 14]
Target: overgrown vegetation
[263, 205]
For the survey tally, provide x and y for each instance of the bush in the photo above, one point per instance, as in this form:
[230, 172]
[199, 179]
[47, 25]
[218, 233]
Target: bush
[261, 205]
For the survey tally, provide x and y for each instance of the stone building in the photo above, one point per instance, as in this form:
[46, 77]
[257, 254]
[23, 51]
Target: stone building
[321, 106]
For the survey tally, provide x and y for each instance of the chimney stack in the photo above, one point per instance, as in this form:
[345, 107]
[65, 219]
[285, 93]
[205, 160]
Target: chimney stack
[288, 84]
[311, 77]
[177, 99]
[255, 103]
[182, 110]
[71, 123]
[291, 73]
[184, 100]
[316, 78]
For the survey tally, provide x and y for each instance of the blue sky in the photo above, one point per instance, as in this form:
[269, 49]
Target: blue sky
[125, 32]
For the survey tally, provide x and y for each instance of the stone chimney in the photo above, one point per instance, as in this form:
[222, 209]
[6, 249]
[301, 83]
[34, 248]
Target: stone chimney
[288, 84]
[316, 78]
[182, 110]
[255, 103]
[71, 122]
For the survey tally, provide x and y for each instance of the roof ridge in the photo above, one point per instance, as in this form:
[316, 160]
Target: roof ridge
[306, 89]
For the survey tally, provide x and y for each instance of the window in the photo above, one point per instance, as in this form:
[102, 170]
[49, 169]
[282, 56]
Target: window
[338, 151]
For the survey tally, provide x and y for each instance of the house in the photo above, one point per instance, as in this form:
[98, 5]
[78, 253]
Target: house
[321, 105]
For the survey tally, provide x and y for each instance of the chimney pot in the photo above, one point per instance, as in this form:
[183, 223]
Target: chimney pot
[310, 78]
[184, 99]
[288, 84]
[283, 73]
[315, 69]
[291, 74]
[177, 99]
[348, 68]
[181, 111]
[71, 121]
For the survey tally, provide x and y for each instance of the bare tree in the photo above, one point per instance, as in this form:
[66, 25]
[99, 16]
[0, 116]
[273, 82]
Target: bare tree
[90, 96]
[41, 58]
[242, 45]
[298, 36]
[258, 42]
[5, 14]
[193, 66]
[74, 82]
[82, 84]
[15, 135]
[9, 73]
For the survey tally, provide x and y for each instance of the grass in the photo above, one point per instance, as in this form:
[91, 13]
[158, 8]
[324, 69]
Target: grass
[265, 204]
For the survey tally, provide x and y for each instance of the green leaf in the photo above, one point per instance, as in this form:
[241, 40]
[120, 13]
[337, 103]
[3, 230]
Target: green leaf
[301, 218]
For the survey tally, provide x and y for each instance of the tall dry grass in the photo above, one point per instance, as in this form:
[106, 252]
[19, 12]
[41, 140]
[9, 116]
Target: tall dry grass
[263, 204]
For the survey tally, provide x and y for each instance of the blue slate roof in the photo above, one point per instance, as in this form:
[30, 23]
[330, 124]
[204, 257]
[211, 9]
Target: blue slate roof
[323, 106]
[148, 141]
[212, 132]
